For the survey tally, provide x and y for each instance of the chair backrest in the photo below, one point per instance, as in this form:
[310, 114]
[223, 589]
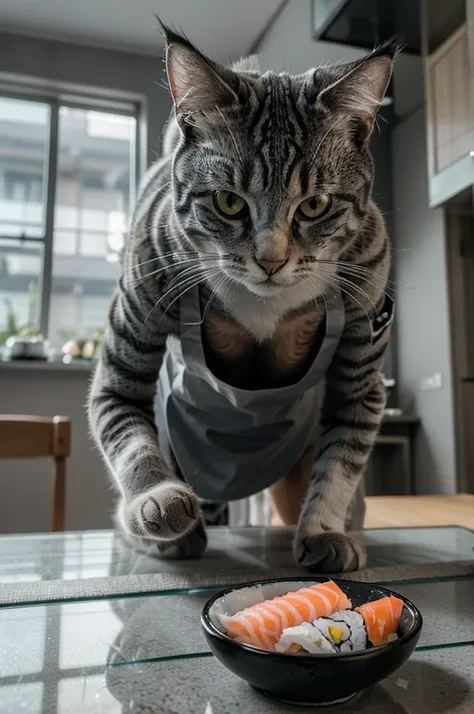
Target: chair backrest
[29, 437]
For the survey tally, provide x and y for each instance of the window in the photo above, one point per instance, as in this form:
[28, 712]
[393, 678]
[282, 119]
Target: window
[24, 136]
[21, 264]
[67, 181]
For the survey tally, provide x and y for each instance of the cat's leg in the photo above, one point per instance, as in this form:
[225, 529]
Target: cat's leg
[351, 416]
[289, 493]
[130, 521]
[321, 543]
[190, 545]
[156, 504]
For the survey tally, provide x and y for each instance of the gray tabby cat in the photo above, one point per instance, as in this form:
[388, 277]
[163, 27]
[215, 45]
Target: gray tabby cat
[262, 198]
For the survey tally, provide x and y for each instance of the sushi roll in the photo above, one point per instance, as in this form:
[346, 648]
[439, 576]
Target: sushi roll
[381, 619]
[262, 624]
[345, 631]
[352, 630]
[375, 623]
[305, 637]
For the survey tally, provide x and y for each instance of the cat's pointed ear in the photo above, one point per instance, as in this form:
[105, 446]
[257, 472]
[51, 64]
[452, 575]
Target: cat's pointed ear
[359, 91]
[196, 82]
[247, 64]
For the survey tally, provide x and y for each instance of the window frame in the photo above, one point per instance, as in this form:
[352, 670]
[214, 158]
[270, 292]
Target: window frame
[88, 100]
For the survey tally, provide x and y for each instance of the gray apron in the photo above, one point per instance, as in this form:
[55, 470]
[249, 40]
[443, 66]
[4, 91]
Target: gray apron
[231, 443]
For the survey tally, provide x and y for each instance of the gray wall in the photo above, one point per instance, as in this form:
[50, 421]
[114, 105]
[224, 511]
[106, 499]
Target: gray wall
[25, 486]
[289, 45]
[422, 321]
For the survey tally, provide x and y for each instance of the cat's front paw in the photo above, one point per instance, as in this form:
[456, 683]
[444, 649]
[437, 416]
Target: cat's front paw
[329, 552]
[163, 513]
[191, 545]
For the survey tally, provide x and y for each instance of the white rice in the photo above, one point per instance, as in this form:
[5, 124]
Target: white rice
[345, 630]
[308, 636]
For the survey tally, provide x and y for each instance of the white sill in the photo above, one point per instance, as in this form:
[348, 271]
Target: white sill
[43, 365]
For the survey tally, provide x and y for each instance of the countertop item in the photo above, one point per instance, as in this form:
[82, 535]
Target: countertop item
[26, 348]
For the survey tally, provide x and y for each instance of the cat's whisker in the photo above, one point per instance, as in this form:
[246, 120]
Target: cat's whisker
[196, 262]
[177, 254]
[340, 278]
[233, 283]
[361, 273]
[168, 266]
[362, 277]
[366, 276]
[375, 280]
[202, 279]
[190, 269]
[162, 297]
[349, 294]
[360, 270]
[349, 284]
[173, 253]
[346, 292]
[197, 270]
[313, 297]
[325, 302]
[213, 295]
[354, 266]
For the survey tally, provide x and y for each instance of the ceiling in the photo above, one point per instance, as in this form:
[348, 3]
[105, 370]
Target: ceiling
[224, 29]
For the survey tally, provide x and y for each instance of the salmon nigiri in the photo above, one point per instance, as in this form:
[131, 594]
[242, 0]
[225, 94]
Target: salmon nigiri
[262, 624]
[381, 619]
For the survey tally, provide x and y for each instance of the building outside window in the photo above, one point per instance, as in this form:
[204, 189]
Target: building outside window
[67, 184]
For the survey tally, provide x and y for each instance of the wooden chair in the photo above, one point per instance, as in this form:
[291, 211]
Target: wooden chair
[30, 437]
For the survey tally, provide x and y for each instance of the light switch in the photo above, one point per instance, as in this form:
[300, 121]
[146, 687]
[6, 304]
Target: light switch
[433, 382]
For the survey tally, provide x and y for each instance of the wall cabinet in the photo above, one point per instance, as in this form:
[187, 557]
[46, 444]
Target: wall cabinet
[447, 47]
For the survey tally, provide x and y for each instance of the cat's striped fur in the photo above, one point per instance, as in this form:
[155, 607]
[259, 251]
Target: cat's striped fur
[275, 140]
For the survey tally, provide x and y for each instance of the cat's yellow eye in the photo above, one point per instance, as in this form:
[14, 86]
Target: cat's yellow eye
[230, 205]
[312, 208]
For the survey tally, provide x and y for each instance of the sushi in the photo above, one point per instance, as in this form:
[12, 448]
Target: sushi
[345, 630]
[381, 619]
[262, 625]
[375, 623]
[304, 637]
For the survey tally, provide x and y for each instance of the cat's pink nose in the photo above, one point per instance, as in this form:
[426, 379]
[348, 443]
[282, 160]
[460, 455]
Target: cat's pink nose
[271, 266]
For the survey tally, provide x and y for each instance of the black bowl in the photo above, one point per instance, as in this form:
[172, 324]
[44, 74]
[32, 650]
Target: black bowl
[320, 679]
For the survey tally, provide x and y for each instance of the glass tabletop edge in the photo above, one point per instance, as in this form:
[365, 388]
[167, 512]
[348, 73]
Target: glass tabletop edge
[210, 589]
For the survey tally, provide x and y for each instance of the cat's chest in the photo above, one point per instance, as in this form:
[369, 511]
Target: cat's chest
[236, 357]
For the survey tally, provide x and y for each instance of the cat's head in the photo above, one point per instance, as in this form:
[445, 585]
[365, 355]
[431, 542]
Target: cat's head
[273, 172]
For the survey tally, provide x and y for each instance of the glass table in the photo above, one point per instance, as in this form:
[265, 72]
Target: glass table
[98, 650]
